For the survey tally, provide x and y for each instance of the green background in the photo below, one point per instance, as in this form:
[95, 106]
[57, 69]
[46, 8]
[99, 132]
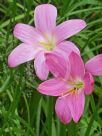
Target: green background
[25, 112]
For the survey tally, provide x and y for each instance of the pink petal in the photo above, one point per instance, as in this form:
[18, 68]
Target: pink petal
[41, 68]
[94, 65]
[69, 28]
[76, 103]
[53, 87]
[58, 65]
[26, 34]
[62, 110]
[22, 54]
[45, 18]
[67, 47]
[89, 83]
[77, 65]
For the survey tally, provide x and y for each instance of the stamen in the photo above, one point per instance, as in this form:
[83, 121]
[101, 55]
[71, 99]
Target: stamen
[69, 91]
[76, 86]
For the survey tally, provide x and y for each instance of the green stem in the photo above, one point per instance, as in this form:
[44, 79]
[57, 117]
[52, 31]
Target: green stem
[5, 85]
[72, 129]
[94, 116]
[50, 111]
[62, 130]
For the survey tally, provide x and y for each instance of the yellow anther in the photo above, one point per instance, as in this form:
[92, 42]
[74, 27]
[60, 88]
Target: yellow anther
[69, 91]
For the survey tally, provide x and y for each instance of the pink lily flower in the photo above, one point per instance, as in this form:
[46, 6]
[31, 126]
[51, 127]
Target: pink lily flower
[44, 37]
[72, 80]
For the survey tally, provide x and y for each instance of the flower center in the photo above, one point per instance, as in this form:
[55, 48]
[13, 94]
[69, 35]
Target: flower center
[48, 42]
[76, 86]
[79, 85]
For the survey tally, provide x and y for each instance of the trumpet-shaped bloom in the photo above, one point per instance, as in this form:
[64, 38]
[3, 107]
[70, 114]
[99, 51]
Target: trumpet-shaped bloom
[72, 81]
[44, 37]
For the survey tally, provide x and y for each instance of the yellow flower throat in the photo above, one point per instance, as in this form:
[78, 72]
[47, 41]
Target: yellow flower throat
[48, 42]
[76, 86]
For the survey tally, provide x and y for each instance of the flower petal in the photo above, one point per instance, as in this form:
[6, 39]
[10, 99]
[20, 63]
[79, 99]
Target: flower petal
[53, 87]
[45, 18]
[69, 28]
[26, 33]
[77, 65]
[58, 65]
[94, 65]
[22, 54]
[89, 83]
[62, 110]
[41, 68]
[76, 103]
[67, 47]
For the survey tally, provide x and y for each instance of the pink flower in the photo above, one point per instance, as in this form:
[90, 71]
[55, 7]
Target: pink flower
[72, 80]
[44, 37]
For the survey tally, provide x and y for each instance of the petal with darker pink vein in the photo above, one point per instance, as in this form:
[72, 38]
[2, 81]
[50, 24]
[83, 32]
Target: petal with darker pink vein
[67, 47]
[94, 65]
[27, 34]
[58, 65]
[45, 18]
[62, 110]
[69, 28]
[76, 103]
[53, 87]
[77, 65]
[89, 83]
[41, 68]
[22, 54]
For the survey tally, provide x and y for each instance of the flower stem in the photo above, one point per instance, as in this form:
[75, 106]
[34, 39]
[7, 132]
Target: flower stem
[50, 113]
[72, 129]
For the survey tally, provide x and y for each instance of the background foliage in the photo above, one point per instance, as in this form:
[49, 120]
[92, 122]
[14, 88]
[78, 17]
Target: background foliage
[25, 112]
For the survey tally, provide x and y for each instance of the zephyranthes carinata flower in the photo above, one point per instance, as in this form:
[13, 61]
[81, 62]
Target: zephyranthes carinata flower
[44, 37]
[72, 80]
